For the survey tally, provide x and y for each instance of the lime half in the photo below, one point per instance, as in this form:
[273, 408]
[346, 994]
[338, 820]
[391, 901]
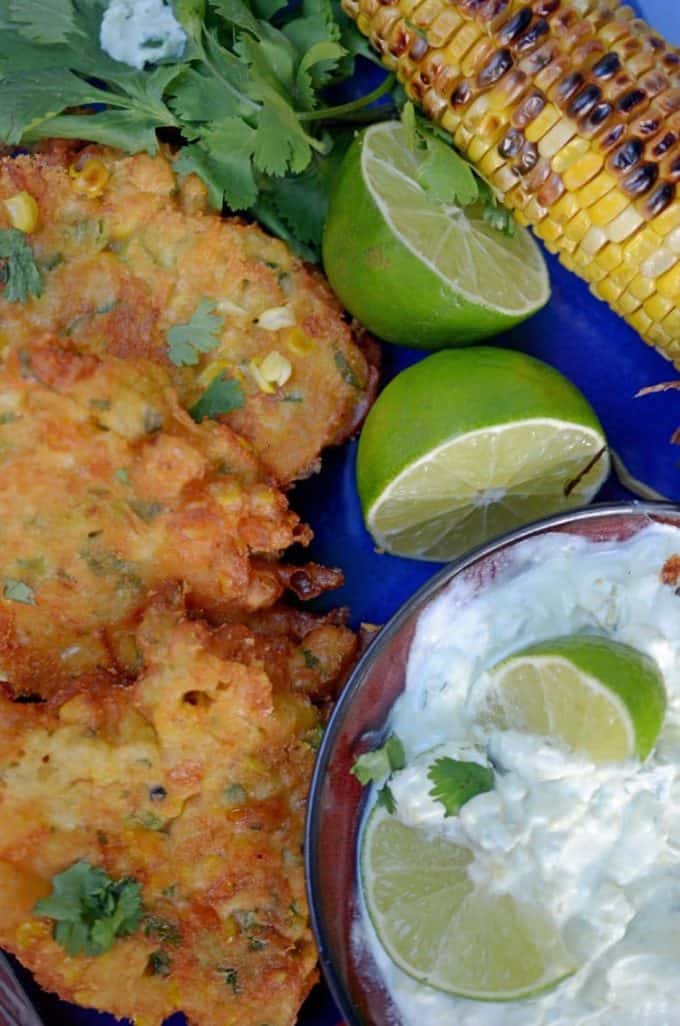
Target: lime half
[600, 697]
[470, 443]
[417, 271]
[443, 929]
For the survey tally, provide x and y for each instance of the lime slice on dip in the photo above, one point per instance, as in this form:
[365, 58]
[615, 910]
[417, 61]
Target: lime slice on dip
[598, 696]
[440, 927]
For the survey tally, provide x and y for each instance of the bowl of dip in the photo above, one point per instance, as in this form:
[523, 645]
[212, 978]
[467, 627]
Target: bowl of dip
[597, 847]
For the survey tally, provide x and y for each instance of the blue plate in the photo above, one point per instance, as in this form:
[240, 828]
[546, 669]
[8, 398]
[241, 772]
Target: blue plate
[593, 347]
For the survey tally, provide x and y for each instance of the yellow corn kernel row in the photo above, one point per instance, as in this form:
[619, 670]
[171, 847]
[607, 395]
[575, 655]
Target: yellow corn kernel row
[571, 109]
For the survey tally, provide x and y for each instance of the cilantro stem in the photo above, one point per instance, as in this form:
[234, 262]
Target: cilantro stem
[333, 113]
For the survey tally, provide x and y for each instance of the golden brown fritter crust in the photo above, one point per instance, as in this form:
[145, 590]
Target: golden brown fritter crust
[110, 490]
[224, 724]
[125, 265]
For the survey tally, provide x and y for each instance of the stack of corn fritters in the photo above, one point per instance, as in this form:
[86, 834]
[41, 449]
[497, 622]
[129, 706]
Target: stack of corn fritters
[161, 701]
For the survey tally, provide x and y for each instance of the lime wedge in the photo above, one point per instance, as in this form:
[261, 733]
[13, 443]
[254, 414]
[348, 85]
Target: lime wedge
[413, 269]
[470, 443]
[443, 929]
[600, 697]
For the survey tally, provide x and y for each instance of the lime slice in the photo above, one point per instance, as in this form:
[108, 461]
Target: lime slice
[443, 929]
[600, 697]
[470, 443]
[417, 271]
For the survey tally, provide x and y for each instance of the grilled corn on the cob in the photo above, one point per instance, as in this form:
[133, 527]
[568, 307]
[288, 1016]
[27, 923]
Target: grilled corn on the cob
[571, 109]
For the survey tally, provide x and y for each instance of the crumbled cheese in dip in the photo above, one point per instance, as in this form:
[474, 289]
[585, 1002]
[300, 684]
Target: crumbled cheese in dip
[597, 846]
[137, 32]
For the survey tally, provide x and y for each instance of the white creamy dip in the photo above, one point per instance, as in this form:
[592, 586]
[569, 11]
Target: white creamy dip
[139, 32]
[596, 846]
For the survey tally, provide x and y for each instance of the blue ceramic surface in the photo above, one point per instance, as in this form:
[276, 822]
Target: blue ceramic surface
[580, 336]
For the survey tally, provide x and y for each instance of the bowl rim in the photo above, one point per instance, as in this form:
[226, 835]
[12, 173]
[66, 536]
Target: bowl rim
[596, 511]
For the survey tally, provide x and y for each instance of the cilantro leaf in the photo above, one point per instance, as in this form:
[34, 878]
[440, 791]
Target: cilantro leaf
[127, 129]
[447, 176]
[222, 395]
[199, 335]
[90, 909]
[19, 274]
[376, 766]
[237, 13]
[29, 97]
[315, 70]
[224, 153]
[385, 799]
[456, 782]
[50, 21]
[18, 591]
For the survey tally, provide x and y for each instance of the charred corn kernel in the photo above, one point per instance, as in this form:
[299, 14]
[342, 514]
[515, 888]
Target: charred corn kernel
[555, 111]
[22, 211]
[90, 177]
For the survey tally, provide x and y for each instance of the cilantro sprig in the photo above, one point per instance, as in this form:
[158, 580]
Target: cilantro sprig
[90, 909]
[378, 766]
[457, 781]
[249, 97]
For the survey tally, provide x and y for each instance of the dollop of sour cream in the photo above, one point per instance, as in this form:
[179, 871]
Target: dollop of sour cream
[139, 32]
[598, 847]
